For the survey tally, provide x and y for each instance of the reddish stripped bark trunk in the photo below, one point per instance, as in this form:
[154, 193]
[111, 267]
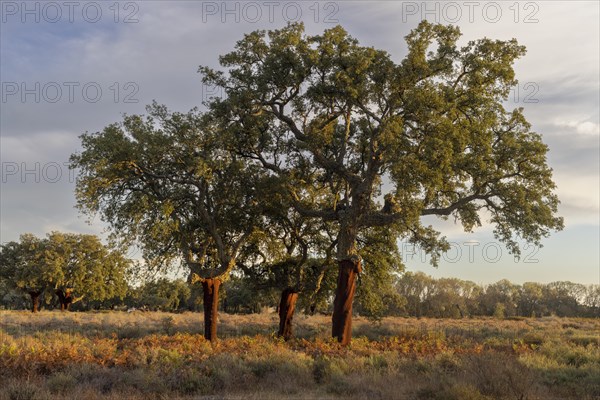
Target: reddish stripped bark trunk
[35, 300]
[287, 305]
[342, 305]
[210, 288]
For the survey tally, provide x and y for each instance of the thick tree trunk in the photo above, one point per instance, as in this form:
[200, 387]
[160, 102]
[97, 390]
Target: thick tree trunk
[211, 304]
[35, 301]
[287, 305]
[344, 295]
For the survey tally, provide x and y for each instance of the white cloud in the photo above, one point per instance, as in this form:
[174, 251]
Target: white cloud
[580, 127]
[580, 198]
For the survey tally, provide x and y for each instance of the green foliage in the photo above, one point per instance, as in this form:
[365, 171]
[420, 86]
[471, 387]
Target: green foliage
[500, 311]
[78, 264]
[11, 297]
[456, 298]
[22, 264]
[243, 294]
[166, 182]
[161, 294]
[376, 296]
[325, 112]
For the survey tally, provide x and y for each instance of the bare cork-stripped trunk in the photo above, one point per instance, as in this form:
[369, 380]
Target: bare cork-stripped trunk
[210, 287]
[342, 305]
[349, 268]
[287, 306]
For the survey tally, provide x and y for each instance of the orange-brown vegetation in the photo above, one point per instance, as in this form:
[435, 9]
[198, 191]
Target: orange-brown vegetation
[117, 355]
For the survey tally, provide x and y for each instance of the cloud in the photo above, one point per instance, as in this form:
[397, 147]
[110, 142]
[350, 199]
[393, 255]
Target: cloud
[580, 197]
[581, 127]
[161, 52]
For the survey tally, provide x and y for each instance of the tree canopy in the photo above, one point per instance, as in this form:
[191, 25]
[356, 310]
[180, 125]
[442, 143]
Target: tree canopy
[72, 266]
[166, 182]
[321, 137]
[384, 143]
[392, 142]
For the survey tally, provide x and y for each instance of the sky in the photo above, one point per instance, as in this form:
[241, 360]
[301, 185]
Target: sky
[71, 67]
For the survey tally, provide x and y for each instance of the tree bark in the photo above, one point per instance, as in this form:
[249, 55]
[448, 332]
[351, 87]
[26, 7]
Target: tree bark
[35, 300]
[344, 295]
[210, 288]
[287, 305]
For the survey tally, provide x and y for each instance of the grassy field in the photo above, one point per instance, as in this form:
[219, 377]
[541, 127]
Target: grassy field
[118, 355]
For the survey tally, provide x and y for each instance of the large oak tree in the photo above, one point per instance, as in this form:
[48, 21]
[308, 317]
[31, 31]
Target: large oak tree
[166, 182]
[392, 142]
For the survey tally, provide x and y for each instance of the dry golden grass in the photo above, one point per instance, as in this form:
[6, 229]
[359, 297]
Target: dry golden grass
[155, 355]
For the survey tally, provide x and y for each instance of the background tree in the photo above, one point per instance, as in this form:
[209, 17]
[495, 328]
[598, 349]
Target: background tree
[375, 293]
[166, 182]
[392, 142]
[245, 294]
[592, 301]
[416, 288]
[502, 294]
[162, 294]
[85, 268]
[12, 298]
[531, 299]
[73, 266]
[446, 300]
[426, 296]
[565, 298]
[21, 267]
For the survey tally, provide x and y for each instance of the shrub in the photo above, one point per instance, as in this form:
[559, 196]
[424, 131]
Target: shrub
[61, 382]
[24, 391]
[168, 325]
[456, 392]
[499, 375]
[325, 368]
[533, 338]
[189, 381]
[447, 362]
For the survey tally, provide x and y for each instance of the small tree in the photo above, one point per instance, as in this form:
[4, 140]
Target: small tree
[499, 311]
[21, 266]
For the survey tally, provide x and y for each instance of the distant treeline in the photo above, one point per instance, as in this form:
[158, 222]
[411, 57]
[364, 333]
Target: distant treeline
[455, 298]
[415, 295]
[157, 295]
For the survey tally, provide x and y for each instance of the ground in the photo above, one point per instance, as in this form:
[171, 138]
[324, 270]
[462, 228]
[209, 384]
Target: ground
[152, 355]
